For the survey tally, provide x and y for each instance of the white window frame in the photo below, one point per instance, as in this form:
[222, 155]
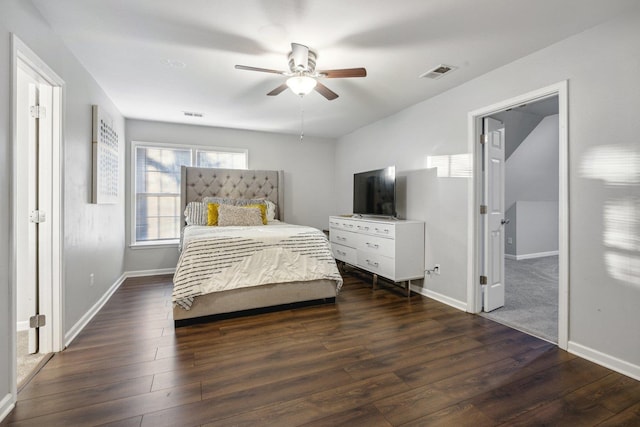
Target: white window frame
[133, 199]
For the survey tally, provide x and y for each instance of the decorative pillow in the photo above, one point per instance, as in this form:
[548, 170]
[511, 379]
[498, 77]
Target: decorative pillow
[263, 210]
[196, 213]
[238, 215]
[219, 200]
[271, 207]
[245, 202]
[212, 213]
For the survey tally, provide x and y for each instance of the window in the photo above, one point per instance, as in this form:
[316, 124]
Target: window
[157, 185]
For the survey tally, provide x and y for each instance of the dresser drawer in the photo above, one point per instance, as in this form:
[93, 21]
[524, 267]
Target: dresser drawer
[344, 238]
[347, 224]
[344, 253]
[383, 229]
[376, 245]
[378, 264]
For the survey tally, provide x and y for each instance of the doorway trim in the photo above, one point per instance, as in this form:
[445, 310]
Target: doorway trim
[22, 55]
[474, 300]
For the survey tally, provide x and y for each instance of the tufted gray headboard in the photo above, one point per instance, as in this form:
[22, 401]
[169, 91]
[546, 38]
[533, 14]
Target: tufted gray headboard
[197, 183]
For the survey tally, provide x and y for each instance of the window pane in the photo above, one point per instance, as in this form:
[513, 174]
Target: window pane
[221, 159]
[157, 217]
[158, 191]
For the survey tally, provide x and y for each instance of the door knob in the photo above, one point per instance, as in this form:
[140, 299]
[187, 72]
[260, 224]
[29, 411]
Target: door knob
[505, 221]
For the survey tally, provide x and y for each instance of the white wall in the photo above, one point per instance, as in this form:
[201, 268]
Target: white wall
[308, 180]
[604, 290]
[536, 229]
[532, 170]
[531, 183]
[93, 234]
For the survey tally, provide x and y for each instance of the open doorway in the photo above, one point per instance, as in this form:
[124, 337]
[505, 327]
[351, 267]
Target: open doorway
[530, 238]
[519, 213]
[37, 206]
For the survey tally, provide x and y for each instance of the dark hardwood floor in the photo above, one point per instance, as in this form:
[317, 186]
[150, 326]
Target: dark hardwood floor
[372, 359]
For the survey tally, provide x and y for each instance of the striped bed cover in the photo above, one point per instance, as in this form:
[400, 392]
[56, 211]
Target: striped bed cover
[217, 259]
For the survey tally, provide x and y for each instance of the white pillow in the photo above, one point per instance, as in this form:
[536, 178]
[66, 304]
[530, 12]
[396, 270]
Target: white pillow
[237, 215]
[271, 210]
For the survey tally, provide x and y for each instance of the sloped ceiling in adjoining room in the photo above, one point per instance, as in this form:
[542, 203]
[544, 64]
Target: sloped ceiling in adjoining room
[157, 59]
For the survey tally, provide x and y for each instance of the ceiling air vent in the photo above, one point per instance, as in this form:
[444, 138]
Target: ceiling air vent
[437, 72]
[192, 114]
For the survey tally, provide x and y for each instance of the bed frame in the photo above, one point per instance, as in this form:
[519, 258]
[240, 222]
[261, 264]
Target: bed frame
[198, 183]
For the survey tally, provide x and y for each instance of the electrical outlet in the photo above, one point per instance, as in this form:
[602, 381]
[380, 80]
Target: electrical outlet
[509, 240]
[91, 279]
[436, 269]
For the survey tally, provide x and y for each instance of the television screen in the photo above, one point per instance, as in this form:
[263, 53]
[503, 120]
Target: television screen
[374, 192]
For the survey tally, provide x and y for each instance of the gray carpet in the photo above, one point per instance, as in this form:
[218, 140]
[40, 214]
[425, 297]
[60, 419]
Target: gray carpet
[26, 362]
[531, 297]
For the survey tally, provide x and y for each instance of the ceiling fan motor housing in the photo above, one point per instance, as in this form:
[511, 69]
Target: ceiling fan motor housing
[311, 63]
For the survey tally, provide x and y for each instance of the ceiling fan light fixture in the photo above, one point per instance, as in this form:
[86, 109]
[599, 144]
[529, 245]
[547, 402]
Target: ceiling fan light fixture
[301, 85]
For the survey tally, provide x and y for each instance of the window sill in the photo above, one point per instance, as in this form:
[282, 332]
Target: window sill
[155, 245]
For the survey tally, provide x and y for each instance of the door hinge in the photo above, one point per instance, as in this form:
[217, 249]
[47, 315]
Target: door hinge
[38, 112]
[484, 138]
[37, 321]
[483, 280]
[37, 217]
[483, 209]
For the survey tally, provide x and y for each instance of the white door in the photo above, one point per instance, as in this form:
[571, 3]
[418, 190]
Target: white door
[33, 203]
[493, 291]
[27, 202]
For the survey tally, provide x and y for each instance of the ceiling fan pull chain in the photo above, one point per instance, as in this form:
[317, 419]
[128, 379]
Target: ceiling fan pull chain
[301, 119]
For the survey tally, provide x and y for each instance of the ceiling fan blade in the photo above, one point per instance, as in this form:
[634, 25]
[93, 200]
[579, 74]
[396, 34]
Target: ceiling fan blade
[300, 56]
[278, 90]
[344, 72]
[262, 70]
[325, 91]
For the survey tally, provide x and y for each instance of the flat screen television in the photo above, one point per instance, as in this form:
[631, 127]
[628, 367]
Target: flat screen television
[374, 192]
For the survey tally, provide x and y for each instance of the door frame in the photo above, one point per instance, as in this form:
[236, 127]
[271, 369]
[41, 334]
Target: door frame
[474, 297]
[22, 55]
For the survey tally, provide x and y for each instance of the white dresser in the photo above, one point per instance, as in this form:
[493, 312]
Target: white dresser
[393, 249]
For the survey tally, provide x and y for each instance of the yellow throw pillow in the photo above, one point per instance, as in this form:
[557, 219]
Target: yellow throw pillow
[212, 213]
[263, 210]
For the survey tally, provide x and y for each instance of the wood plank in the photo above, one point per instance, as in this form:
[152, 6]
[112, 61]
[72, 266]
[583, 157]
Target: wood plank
[628, 417]
[461, 414]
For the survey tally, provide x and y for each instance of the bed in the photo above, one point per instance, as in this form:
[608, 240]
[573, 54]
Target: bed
[281, 265]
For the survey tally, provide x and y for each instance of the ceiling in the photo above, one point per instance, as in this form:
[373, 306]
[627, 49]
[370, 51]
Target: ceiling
[157, 59]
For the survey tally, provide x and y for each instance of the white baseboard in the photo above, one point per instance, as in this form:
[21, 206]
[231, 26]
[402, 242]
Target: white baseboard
[84, 320]
[23, 325]
[156, 272]
[532, 255]
[460, 305]
[608, 361]
[6, 405]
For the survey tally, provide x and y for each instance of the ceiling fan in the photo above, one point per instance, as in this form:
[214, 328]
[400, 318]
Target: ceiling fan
[303, 76]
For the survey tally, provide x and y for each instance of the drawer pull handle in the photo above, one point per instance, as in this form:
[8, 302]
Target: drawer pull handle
[386, 230]
[344, 239]
[363, 228]
[341, 253]
[373, 245]
[375, 264]
[349, 225]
